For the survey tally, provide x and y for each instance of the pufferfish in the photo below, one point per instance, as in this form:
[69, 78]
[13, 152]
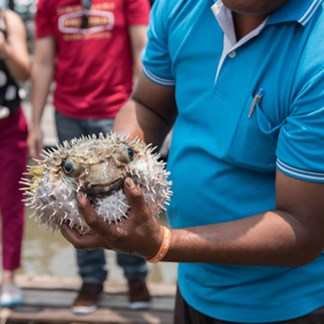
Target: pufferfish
[97, 167]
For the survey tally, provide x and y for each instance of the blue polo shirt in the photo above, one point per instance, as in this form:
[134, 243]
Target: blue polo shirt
[245, 109]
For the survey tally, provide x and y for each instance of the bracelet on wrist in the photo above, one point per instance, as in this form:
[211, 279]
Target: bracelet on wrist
[164, 247]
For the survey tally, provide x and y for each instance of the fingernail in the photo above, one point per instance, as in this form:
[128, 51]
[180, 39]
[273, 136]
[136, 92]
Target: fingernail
[129, 183]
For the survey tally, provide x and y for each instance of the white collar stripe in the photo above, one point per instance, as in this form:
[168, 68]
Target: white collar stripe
[300, 175]
[287, 167]
[310, 12]
[157, 79]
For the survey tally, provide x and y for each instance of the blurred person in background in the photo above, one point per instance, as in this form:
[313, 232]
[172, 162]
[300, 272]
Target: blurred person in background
[14, 67]
[92, 51]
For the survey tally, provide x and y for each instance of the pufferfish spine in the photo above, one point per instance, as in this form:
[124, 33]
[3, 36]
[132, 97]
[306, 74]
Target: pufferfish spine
[97, 167]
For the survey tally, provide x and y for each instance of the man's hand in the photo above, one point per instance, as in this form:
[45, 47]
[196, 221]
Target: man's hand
[35, 142]
[140, 233]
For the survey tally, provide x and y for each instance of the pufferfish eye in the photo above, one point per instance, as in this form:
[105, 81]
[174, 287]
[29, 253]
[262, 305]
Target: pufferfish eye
[68, 167]
[126, 155]
[130, 153]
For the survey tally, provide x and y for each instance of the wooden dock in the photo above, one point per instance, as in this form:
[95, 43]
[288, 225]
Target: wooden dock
[47, 301]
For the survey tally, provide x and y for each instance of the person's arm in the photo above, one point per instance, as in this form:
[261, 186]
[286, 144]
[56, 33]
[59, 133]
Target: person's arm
[137, 16]
[149, 114]
[138, 40]
[290, 235]
[42, 76]
[14, 49]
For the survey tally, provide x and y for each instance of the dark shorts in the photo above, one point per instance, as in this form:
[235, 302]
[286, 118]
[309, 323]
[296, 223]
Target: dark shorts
[184, 314]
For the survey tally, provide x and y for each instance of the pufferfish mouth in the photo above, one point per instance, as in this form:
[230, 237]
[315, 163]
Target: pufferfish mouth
[103, 190]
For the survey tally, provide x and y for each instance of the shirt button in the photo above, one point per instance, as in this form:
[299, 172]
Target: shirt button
[232, 54]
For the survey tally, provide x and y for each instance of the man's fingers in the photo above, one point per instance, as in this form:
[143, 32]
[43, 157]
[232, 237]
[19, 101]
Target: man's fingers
[90, 216]
[134, 195]
[80, 241]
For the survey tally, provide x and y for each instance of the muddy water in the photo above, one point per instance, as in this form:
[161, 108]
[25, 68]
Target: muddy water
[46, 253]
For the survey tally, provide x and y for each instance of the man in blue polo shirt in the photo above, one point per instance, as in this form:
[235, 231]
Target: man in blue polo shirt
[242, 85]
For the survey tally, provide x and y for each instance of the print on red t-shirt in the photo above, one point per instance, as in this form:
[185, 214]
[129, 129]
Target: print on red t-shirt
[93, 71]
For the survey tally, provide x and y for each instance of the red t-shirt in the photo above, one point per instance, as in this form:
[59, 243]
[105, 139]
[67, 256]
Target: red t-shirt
[93, 69]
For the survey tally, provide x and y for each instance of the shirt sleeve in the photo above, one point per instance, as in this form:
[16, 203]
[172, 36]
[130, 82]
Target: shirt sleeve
[157, 64]
[300, 150]
[45, 18]
[137, 12]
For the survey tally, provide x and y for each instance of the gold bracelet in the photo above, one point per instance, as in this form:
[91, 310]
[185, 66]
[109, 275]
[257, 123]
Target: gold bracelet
[164, 248]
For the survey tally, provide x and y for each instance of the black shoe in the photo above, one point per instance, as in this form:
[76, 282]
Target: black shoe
[138, 294]
[86, 302]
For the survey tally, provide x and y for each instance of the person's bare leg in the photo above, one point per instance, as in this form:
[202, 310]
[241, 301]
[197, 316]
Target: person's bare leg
[8, 277]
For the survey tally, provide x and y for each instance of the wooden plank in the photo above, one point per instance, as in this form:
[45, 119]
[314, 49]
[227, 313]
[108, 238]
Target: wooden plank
[59, 298]
[100, 316]
[47, 301]
[62, 283]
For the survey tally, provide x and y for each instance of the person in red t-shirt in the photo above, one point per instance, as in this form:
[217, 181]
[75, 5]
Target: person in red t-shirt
[92, 50]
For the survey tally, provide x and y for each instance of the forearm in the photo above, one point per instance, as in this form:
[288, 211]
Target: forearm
[137, 64]
[272, 238]
[137, 121]
[42, 76]
[138, 39]
[137, 68]
[17, 63]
